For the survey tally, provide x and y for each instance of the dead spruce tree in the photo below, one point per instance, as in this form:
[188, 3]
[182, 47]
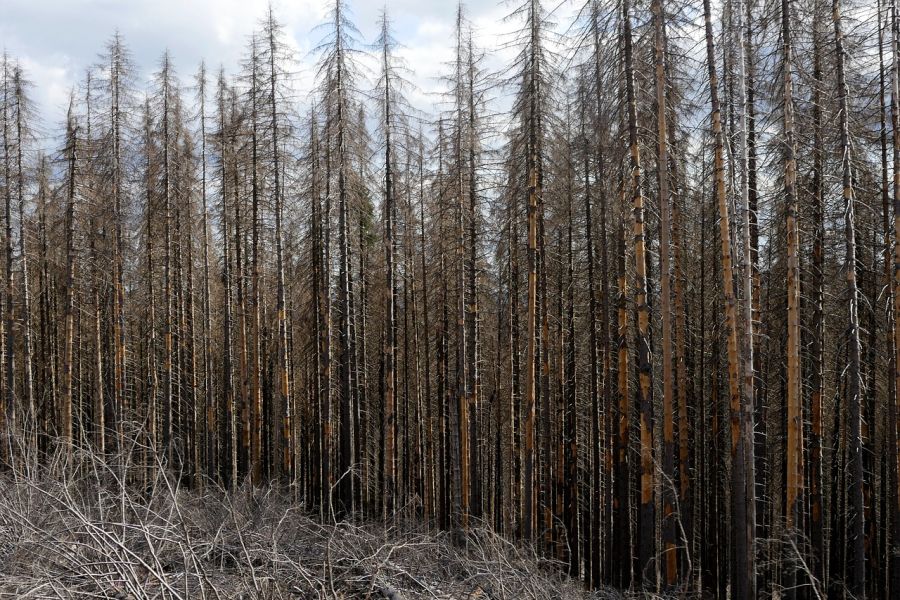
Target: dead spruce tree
[603, 296]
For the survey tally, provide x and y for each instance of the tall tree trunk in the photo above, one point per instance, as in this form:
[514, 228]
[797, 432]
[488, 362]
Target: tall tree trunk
[48, 354]
[345, 492]
[119, 321]
[533, 173]
[65, 404]
[473, 348]
[794, 450]
[759, 400]
[647, 511]
[670, 559]
[12, 411]
[244, 453]
[856, 518]
[602, 422]
[283, 398]
[886, 284]
[327, 370]
[894, 403]
[817, 346]
[622, 475]
[151, 418]
[430, 442]
[210, 436]
[98, 414]
[686, 466]
[257, 418]
[390, 296]
[229, 450]
[31, 424]
[743, 479]
[742, 575]
[592, 545]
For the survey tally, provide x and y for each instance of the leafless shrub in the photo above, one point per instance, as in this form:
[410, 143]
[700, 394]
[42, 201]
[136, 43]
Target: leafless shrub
[124, 526]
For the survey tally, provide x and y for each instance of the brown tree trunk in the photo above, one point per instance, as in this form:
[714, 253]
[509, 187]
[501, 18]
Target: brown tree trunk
[794, 450]
[670, 557]
[647, 510]
[742, 575]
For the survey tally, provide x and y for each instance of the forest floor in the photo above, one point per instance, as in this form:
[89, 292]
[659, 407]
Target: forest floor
[88, 536]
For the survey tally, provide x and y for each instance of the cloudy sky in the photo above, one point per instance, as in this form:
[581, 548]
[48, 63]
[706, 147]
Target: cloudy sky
[57, 40]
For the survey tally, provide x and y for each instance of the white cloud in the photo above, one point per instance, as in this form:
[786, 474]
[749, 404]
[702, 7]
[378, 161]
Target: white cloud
[52, 79]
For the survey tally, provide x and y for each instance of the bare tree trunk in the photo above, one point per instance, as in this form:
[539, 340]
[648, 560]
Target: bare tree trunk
[592, 545]
[12, 411]
[602, 422]
[326, 424]
[209, 395]
[257, 418]
[345, 363]
[283, 398]
[856, 517]
[27, 366]
[569, 435]
[684, 395]
[622, 475]
[228, 462]
[119, 402]
[885, 283]
[743, 516]
[794, 453]
[817, 349]
[473, 349]
[430, 442]
[99, 421]
[742, 573]
[168, 399]
[47, 379]
[65, 406]
[647, 511]
[152, 376]
[390, 294]
[533, 171]
[894, 404]
[670, 559]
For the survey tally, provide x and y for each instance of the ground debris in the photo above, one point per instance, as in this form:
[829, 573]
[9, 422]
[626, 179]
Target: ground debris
[77, 537]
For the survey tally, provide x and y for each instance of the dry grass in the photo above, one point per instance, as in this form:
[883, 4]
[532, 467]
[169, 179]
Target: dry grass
[92, 535]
